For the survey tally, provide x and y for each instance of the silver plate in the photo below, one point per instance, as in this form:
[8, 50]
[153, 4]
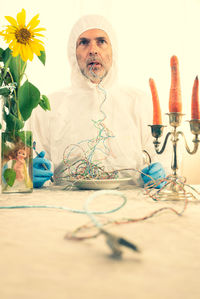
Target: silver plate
[101, 184]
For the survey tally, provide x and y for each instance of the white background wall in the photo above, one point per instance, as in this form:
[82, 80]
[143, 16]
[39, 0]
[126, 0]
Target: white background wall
[149, 33]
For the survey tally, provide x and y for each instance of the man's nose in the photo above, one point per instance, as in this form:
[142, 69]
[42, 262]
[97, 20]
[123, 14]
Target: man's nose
[93, 48]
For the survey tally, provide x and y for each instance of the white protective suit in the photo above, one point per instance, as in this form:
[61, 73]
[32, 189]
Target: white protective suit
[128, 114]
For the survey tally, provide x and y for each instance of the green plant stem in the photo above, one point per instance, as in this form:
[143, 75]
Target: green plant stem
[20, 76]
[15, 96]
[22, 72]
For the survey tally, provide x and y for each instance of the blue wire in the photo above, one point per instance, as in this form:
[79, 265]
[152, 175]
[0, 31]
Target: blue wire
[98, 193]
[85, 211]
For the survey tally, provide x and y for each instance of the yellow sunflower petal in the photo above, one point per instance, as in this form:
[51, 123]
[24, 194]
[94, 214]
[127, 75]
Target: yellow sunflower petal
[12, 21]
[8, 38]
[9, 35]
[23, 52]
[29, 52]
[12, 44]
[20, 50]
[36, 48]
[38, 29]
[11, 29]
[33, 22]
[15, 50]
[38, 41]
[38, 34]
[21, 18]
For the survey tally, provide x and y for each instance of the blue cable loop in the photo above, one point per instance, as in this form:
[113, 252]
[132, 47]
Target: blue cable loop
[85, 211]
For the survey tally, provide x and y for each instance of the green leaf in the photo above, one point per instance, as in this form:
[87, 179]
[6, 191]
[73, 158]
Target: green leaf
[9, 176]
[7, 78]
[1, 54]
[12, 105]
[17, 67]
[44, 103]
[42, 57]
[29, 97]
[0, 126]
[6, 55]
[12, 122]
[4, 91]
[26, 137]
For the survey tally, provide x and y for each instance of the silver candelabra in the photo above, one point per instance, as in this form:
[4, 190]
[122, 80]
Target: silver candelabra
[174, 187]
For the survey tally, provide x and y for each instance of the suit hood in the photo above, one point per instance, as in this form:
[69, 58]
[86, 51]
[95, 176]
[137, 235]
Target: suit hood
[85, 23]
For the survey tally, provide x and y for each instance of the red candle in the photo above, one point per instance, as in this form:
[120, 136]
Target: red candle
[157, 118]
[195, 112]
[175, 102]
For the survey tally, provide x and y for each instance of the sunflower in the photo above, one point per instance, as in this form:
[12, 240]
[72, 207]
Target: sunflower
[22, 38]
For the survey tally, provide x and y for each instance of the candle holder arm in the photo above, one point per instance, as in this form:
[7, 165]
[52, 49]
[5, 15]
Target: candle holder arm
[195, 141]
[157, 143]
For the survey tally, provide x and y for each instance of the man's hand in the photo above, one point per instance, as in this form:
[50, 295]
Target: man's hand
[156, 172]
[41, 170]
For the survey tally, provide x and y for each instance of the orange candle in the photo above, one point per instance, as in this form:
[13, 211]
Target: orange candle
[195, 112]
[175, 102]
[157, 118]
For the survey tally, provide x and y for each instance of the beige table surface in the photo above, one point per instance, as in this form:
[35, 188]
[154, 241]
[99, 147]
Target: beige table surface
[37, 262]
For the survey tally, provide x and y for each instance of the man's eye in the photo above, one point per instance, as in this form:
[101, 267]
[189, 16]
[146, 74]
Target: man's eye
[102, 41]
[83, 42]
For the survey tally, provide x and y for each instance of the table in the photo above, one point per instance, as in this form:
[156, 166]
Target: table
[37, 261]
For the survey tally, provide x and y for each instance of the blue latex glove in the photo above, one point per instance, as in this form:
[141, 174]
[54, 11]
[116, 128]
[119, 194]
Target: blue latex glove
[156, 171]
[40, 174]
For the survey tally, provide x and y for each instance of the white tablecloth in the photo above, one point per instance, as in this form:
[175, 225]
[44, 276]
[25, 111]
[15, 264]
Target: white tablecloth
[37, 262]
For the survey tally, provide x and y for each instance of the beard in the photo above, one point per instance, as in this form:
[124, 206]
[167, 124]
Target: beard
[94, 69]
[94, 74]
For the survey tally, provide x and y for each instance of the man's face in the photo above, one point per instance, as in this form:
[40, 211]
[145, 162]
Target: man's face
[94, 54]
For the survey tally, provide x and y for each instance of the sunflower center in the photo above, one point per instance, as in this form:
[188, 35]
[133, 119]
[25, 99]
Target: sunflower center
[22, 35]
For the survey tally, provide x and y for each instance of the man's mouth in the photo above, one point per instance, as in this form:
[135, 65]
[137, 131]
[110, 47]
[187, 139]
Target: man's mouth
[94, 64]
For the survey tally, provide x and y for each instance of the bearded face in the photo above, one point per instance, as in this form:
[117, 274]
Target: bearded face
[94, 54]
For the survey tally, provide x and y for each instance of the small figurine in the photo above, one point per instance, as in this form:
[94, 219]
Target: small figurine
[20, 163]
[17, 159]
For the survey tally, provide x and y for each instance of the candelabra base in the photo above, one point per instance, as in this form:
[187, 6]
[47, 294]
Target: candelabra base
[171, 192]
[175, 189]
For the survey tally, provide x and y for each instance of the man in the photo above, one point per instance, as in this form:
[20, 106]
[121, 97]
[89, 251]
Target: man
[95, 109]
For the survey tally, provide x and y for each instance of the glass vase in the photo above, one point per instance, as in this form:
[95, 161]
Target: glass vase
[16, 161]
